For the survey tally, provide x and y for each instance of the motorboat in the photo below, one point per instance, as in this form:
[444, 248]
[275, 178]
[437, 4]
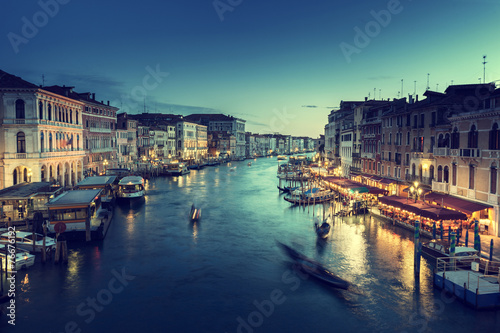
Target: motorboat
[23, 259]
[249, 163]
[438, 248]
[176, 169]
[232, 169]
[314, 268]
[131, 187]
[24, 241]
[281, 157]
[323, 229]
[195, 213]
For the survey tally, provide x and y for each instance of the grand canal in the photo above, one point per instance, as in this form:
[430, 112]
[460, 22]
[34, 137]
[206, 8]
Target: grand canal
[157, 272]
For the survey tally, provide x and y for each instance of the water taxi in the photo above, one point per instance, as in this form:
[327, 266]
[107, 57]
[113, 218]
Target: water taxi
[81, 212]
[175, 169]
[131, 187]
[281, 157]
[22, 259]
[24, 241]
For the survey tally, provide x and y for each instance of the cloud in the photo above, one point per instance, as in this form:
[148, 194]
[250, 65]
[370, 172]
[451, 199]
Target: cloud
[309, 106]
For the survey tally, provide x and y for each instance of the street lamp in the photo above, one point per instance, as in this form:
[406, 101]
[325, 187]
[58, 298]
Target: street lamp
[415, 190]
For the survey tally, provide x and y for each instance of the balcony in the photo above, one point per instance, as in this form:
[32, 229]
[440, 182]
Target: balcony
[444, 151]
[356, 155]
[421, 180]
[470, 152]
[491, 153]
[440, 187]
[368, 155]
[99, 130]
[355, 169]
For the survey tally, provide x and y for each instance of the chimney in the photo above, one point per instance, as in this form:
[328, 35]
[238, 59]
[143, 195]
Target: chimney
[416, 98]
[93, 96]
[108, 103]
[366, 98]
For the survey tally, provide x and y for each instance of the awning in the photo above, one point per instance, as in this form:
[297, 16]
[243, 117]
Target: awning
[462, 205]
[423, 209]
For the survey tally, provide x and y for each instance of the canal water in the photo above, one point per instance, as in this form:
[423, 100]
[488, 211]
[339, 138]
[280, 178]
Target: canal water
[157, 272]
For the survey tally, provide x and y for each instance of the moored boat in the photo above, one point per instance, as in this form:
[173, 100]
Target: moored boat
[24, 241]
[437, 248]
[22, 259]
[131, 187]
[175, 169]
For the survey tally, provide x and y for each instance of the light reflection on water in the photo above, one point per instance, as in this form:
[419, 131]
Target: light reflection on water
[215, 269]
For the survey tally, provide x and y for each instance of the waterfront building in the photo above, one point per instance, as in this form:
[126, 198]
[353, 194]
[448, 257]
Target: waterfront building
[158, 140]
[250, 145]
[99, 131]
[187, 140]
[126, 140]
[201, 143]
[223, 123]
[144, 147]
[41, 134]
[448, 143]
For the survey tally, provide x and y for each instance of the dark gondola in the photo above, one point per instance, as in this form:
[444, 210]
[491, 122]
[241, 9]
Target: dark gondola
[314, 268]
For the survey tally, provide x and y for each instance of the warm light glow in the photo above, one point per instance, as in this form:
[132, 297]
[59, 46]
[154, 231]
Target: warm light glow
[416, 184]
[412, 189]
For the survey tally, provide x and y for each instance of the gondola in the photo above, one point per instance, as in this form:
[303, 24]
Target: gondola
[314, 268]
[323, 229]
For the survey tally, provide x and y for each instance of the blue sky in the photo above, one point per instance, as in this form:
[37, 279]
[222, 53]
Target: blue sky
[280, 65]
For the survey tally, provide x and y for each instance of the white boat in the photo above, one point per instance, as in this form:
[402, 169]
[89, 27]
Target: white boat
[176, 169]
[24, 241]
[23, 259]
[131, 187]
[281, 157]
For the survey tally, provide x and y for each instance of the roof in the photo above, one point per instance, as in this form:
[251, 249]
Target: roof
[130, 180]
[422, 209]
[462, 205]
[11, 81]
[73, 198]
[97, 181]
[27, 190]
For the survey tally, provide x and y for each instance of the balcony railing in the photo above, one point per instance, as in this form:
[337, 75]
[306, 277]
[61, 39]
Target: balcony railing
[440, 187]
[443, 151]
[421, 180]
[470, 152]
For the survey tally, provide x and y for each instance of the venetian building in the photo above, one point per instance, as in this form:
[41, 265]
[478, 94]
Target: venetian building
[40, 134]
[474, 153]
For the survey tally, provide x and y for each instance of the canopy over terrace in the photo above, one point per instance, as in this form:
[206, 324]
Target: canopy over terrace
[423, 209]
[462, 205]
[353, 186]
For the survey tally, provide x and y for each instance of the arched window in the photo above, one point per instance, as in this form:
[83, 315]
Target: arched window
[14, 176]
[494, 143]
[440, 141]
[455, 139]
[420, 173]
[77, 142]
[431, 172]
[40, 110]
[413, 169]
[60, 113]
[446, 140]
[42, 173]
[70, 116]
[446, 173]
[20, 107]
[21, 143]
[472, 137]
[493, 179]
[49, 111]
[76, 117]
[25, 175]
[440, 173]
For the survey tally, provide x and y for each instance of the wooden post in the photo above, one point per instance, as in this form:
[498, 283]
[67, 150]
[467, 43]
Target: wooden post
[1, 276]
[58, 249]
[418, 247]
[87, 226]
[44, 248]
[64, 252]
